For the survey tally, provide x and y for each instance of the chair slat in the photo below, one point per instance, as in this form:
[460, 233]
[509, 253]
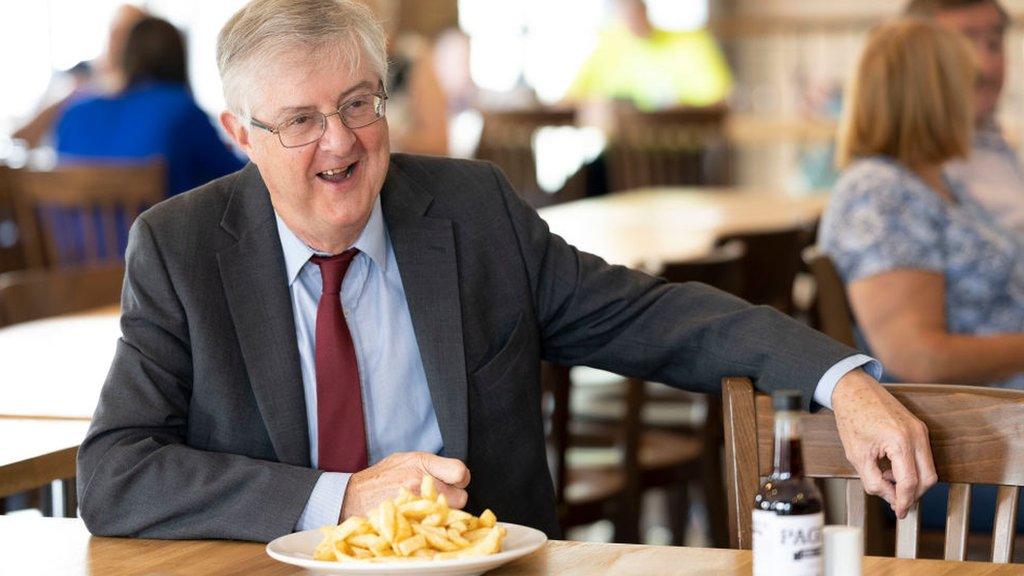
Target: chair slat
[108, 215]
[740, 449]
[1003, 528]
[907, 530]
[854, 503]
[957, 515]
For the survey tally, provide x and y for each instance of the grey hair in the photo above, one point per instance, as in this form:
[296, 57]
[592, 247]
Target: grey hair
[267, 29]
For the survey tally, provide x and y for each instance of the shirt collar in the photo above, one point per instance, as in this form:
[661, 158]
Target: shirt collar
[372, 241]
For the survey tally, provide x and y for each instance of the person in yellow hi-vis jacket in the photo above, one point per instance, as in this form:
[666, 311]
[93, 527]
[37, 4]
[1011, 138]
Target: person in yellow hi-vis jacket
[652, 68]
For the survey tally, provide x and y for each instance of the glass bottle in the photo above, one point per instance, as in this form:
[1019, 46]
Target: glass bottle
[788, 512]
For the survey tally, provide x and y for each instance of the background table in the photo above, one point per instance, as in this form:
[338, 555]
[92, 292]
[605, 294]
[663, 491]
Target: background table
[60, 546]
[56, 367]
[645, 228]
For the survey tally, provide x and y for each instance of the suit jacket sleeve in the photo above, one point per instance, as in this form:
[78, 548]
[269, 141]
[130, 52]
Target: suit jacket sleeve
[136, 474]
[686, 335]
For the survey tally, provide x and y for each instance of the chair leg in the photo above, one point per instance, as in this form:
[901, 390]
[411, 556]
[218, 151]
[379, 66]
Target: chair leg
[679, 511]
[627, 520]
[70, 489]
[713, 487]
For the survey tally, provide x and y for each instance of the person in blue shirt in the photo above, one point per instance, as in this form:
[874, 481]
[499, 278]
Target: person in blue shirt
[153, 117]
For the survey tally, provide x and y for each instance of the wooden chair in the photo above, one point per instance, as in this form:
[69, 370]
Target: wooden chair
[100, 200]
[770, 265]
[507, 140]
[32, 294]
[586, 494]
[675, 147]
[834, 316]
[675, 449]
[12, 254]
[971, 443]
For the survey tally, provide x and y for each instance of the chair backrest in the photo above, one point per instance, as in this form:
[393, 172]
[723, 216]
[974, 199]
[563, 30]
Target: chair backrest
[834, 315]
[974, 439]
[770, 265]
[675, 147]
[80, 214]
[12, 254]
[32, 294]
[507, 139]
[723, 268]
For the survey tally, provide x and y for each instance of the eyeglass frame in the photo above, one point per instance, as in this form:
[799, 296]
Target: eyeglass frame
[382, 94]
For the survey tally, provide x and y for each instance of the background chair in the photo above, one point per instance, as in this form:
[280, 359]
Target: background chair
[507, 139]
[675, 147]
[770, 265]
[12, 255]
[32, 294]
[834, 316]
[680, 438]
[81, 214]
[587, 494]
[970, 440]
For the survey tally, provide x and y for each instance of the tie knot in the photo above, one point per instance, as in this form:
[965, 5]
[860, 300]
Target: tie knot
[333, 268]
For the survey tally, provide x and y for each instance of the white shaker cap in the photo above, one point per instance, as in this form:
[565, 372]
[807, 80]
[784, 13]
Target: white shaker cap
[844, 548]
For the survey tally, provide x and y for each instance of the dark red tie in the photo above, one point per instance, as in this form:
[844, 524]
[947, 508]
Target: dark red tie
[341, 433]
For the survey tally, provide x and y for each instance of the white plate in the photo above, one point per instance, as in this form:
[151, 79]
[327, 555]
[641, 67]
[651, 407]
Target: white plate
[298, 549]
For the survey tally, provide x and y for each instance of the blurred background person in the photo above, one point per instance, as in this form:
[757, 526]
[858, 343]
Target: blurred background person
[153, 116]
[104, 75]
[936, 285]
[992, 171]
[652, 68]
[417, 111]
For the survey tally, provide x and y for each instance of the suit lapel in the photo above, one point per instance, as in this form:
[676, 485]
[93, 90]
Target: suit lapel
[254, 277]
[425, 250]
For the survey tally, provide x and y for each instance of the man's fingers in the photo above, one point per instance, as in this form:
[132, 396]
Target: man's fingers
[904, 471]
[871, 478]
[448, 470]
[925, 464]
[456, 497]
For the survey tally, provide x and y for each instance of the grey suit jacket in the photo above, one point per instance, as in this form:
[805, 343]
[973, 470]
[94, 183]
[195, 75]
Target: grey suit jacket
[200, 431]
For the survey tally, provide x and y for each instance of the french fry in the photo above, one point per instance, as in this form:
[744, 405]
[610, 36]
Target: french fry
[412, 544]
[427, 489]
[411, 527]
[488, 519]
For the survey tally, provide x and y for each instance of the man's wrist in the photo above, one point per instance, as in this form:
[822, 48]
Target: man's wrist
[826, 385]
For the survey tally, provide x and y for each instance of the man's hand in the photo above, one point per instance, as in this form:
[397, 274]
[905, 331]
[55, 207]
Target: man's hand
[381, 481]
[872, 425]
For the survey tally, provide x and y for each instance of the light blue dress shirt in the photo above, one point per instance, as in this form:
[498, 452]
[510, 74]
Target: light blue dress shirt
[396, 401]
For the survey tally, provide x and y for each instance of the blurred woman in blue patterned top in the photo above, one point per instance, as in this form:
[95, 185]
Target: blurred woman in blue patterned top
[935, 284]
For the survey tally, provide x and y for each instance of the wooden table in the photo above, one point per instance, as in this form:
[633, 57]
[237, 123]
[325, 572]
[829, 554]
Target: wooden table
[62, 546]
[55, 367]
[645, 228]
[51, 373]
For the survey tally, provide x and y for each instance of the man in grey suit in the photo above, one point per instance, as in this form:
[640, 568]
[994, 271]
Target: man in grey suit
[247, 401]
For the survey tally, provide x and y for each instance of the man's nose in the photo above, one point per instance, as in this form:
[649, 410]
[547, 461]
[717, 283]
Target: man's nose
[337, 136]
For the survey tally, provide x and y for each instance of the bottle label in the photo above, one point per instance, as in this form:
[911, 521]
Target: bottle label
[787, 545]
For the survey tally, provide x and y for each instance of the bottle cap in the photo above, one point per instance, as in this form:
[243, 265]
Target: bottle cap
[787, 400]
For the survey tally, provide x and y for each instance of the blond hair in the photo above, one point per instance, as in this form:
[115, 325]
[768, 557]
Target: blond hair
[265, 30]
[911, 97]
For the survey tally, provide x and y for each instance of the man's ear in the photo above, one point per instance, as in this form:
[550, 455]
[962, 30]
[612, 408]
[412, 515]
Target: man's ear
[237, 130]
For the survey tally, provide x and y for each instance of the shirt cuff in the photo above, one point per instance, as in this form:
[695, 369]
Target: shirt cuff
[823, 392]
[324, 505]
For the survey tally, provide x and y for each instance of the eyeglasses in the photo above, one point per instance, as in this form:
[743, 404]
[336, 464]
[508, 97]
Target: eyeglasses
[308, 127]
